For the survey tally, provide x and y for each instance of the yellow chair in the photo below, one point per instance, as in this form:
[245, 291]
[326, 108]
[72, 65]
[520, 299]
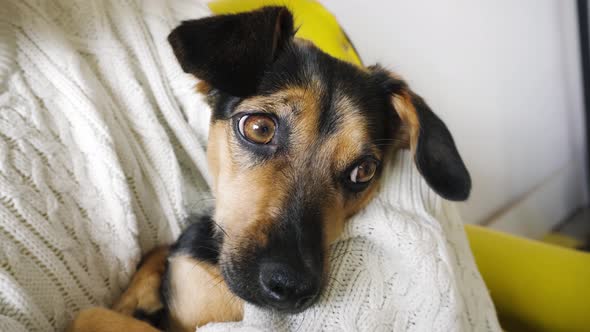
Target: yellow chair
[535, 286]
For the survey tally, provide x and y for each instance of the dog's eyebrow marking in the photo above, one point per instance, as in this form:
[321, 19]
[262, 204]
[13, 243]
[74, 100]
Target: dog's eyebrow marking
[335, 112]
[328, 113]
[290, 99]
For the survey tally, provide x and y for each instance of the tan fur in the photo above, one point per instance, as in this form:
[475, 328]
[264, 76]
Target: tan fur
[104, 320]
[335, 223]
[143, 291]
[231, 205]
[203, 88]
[199, 295]
[361, 202]
[410, 127]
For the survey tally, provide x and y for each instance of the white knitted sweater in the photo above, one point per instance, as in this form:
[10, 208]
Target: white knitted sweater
[102, 156]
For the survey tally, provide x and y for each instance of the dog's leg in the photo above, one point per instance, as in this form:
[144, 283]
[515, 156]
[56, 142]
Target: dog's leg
[197, 295]
[193, 289]
[104, 320]
[142, 298]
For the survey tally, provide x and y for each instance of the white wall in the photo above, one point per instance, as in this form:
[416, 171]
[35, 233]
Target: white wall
[505, 77]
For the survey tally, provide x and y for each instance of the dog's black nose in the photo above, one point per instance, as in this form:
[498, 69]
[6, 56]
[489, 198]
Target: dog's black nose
[285, 288]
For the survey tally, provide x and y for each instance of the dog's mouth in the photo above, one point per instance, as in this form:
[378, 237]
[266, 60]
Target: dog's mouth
[283, 272]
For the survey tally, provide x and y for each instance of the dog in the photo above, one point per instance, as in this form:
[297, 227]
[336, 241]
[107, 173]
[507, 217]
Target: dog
[298, 141]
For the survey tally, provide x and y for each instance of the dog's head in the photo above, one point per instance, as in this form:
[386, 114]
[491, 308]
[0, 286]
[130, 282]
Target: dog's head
[297, 143]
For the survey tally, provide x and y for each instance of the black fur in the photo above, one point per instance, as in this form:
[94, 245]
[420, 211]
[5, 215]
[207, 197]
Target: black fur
[329, 119]
[157, 319]
[166, 295]
[231, 52]
[199, 240]
[437, 157]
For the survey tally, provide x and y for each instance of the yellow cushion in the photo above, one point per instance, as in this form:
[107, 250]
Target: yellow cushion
[315, 23]
[535, 286]
[562, 240]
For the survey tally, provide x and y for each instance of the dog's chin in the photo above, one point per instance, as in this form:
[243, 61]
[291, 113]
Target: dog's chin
[245, 287]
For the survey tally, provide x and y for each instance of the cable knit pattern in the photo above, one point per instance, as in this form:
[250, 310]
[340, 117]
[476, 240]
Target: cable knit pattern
[97, 158]
[102, 155]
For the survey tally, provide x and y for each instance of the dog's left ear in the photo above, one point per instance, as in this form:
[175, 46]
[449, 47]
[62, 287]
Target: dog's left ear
[435, 153]
[231, 52]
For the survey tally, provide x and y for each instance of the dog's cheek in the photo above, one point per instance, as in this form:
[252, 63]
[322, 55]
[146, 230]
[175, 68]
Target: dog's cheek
[334, 220]
[236, 198]
[218, 153]
[249, 201]
[361, 201]
[340, 209]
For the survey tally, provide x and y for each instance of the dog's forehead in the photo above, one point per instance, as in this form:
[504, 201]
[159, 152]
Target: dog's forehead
[330, 99]
[341, 90]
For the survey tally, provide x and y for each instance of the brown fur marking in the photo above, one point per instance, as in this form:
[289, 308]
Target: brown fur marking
[101, 320]
[410, 128]
[199, 295]
[203, 87]
[143, 291]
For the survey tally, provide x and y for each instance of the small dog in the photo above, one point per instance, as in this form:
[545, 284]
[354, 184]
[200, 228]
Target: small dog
[297, 144]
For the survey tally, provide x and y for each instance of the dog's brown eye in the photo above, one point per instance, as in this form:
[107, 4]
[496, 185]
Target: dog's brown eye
[259, 129]
[363, 172]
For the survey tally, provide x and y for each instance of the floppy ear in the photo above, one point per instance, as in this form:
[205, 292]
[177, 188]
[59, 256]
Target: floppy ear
[435, 153]
[231, 52]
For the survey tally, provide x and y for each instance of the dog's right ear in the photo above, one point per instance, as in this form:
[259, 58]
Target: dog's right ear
[231, 52]
[435, 153]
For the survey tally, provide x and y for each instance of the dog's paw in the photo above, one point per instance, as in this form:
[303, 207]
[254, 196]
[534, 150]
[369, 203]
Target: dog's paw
[103, 320]
[143, 293]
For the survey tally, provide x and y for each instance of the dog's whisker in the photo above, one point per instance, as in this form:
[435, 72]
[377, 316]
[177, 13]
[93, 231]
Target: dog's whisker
[386, 144]
[197, 263]
[215, 250]
[386, 139]
[335, 280]
[340, 254]
[233, 299]
[215, 279]
[206, 198]
[389, 140]
[220, 228]
[218, 281]
[334, 258]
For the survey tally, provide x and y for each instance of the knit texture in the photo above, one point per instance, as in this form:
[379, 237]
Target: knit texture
[97, 156]
[102, 157]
